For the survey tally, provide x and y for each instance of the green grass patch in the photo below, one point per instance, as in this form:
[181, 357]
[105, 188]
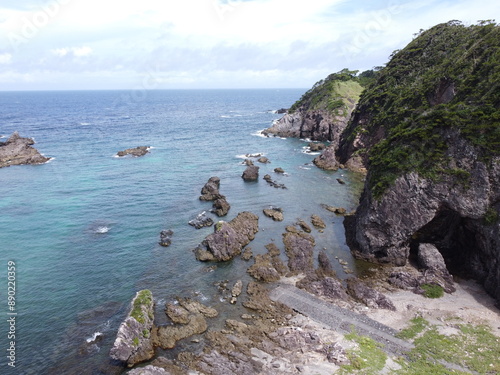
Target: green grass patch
[143, 298]
[473, 347]
[432, 290]
[367, 359]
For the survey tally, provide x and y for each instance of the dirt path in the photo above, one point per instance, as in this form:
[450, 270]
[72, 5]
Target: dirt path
[339, 319]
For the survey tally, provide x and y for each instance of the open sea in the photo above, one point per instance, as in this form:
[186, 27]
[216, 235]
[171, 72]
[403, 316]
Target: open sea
[83, 229]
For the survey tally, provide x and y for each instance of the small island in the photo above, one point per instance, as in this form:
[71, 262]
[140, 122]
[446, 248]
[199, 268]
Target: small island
[18, 150]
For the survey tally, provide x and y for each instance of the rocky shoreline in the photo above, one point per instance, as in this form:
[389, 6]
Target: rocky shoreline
[271, 338]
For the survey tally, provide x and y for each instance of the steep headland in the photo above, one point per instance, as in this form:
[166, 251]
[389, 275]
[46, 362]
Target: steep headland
[323, 111]
[428, 131]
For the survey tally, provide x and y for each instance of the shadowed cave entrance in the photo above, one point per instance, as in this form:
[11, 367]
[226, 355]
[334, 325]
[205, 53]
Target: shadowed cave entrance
[455, 238]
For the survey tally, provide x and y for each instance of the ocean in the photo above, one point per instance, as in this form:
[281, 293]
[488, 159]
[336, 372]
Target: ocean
[83, 229]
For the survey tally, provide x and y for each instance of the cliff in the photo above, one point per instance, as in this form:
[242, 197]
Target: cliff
[428, 131]
[323, 112]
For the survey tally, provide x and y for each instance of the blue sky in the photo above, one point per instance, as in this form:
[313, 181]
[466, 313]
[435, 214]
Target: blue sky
[154, 44]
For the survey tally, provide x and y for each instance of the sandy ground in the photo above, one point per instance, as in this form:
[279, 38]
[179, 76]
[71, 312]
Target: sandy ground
[470, 304]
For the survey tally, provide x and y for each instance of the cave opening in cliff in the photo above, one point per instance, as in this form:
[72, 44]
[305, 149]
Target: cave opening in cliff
[454, 239]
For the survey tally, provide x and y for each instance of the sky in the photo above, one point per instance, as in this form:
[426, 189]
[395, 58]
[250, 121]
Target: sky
[205, 44]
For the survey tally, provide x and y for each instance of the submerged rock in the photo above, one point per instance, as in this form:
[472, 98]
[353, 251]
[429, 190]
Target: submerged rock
[18, 150]
[263, 160]
[318, 222]
[166, 237]
[274, 213]
[136, 151]
[201, 221]
[133, 342]
[228, 239]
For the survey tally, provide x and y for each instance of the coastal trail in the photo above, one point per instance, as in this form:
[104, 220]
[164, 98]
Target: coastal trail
[345, 321]
[340, 319]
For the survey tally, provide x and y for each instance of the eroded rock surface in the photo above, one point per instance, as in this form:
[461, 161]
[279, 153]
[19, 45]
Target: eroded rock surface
[136, 151]
[18, 150]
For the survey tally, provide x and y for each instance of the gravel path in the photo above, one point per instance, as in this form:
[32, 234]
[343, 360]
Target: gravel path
[339, 319]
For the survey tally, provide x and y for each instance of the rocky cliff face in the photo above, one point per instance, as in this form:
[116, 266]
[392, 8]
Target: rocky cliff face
[429, 135]
[323, 112]
[18, 150]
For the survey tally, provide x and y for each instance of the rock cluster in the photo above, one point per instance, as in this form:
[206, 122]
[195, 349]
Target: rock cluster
[136, 151]
[268, 267]
[201, 221]
[229, 238]
[210, 192]
[274, 184]
[18, 150]
[166, 237]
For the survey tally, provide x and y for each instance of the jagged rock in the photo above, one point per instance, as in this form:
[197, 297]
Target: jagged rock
[299, 248]
[404, 280]
[133, 342]
[228, 239]
[273, 250]
[317, 222]
[327, 160]
[136, 151]
[177, 313]
[247, 253]
[369, 296]
[237, 288]
[335, 353]
[335, 210]
[304, 226]
[263, 160]
[274, 213]
[315, 147]
[279, 170]
[210, 191]
[166, 237]
[263, 269]
[274, 184]
[248, 162]
[17, 150]
[196, 307]
[324, 265]
[281, 111]
[221, 207]
[321, 285]
[167, 336]
[201, 221]
[149, 370]
[251, 173]
[431, 260]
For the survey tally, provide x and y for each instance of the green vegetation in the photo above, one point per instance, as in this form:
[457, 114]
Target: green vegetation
[472, 348]
[432, 290]
[491, 216]
[369, 358]
[135, 341]
[336, 92]
[145, 333]
[446, 78]
[144, 298]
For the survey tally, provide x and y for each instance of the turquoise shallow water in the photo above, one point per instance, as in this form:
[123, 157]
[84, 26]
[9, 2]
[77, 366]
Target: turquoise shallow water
[83, 229]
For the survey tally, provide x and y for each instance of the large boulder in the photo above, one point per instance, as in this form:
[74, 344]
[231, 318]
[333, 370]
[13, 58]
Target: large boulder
[210, 191]
[229, 238]
[18, 150]
[251, 173]
[133, 342]
[327, 160]
[372, 298]
[221, 207]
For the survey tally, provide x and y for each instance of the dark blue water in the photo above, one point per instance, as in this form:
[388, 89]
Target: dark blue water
[83, 229]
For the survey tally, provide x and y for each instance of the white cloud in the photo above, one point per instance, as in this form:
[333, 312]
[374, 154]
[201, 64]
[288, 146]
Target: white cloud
[75, 51]
[5, 58]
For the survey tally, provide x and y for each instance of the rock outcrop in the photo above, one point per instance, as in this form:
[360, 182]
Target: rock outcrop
[136, 151]
[432, 156]
[18, 150]
[134, 342]
[210, 192]
[229, 238]
[274, 213]
[251, 173]
[201, 221]
[299, 247]
[166, 237]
